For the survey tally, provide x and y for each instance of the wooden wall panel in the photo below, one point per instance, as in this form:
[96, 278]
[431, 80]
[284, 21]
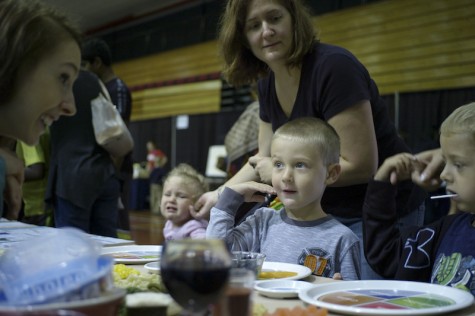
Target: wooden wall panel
[180, 63]
[406, 45]
[191, 98]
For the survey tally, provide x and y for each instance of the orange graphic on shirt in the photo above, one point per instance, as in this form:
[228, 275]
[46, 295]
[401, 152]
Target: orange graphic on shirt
[315, 264]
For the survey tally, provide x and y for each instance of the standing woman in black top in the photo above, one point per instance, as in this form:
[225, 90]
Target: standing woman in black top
[274, 43]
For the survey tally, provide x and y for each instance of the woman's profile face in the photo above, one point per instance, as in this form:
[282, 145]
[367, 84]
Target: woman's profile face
[43, 94]
[268, 29]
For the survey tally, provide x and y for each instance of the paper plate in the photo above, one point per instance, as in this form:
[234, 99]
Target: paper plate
[299, 271]
[133, 254]
[386, 298]
[281, 288]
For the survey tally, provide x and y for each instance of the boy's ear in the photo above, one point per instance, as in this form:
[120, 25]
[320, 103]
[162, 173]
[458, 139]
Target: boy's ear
[333, 172]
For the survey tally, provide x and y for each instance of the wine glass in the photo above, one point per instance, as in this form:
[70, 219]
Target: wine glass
[195, 272]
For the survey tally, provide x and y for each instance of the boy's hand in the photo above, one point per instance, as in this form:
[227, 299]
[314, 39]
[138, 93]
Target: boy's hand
[428, 175]
[397, 168]
[337, 276]
[253, 191]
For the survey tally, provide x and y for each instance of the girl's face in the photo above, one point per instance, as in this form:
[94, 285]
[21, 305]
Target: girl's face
[458, 151]
[43, 95]
[177, 198]
[268, 30]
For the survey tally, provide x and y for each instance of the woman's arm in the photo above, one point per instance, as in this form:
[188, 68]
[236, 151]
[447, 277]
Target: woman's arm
[204, 204]
[359, 149]
[262, 162]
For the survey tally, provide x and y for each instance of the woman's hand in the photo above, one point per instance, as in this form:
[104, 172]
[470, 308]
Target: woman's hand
[262, 167]
[202, 207]
[14, 172]
[13, 197]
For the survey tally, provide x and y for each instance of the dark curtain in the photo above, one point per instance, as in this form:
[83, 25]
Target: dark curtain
[420, 114]
[159, 131]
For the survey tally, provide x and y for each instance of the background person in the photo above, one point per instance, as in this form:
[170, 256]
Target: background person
[275, 42]
[83, 185]
[40, 59]
[36, 160]
[97, 58]
[181, 187]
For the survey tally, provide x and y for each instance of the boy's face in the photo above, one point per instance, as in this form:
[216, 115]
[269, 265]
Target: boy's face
[298, 175]
[176, 200]
[458, 151]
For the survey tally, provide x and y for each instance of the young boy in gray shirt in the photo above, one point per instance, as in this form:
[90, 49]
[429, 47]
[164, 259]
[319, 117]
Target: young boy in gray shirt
[305, 157]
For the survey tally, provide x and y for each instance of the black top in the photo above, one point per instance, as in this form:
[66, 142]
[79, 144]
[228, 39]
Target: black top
[442, 252]
[79, 167]
[332, 80]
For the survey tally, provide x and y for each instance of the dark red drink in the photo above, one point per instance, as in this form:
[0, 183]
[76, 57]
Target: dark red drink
[195, 286]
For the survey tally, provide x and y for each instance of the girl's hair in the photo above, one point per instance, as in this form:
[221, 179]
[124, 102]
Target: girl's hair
[460, 121]
[190, 176]
[29, 31]
[240, 66]
[313, 131]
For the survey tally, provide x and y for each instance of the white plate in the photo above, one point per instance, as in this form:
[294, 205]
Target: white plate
[281, 288]
[302, 271]
[133, 254]
[153, 267]
[386, 298]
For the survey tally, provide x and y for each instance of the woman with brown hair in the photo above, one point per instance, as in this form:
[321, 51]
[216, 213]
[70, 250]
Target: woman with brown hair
[39, 61]
[274, 42]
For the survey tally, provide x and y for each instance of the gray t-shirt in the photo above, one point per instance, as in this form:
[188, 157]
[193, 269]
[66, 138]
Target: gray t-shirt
[332, 245]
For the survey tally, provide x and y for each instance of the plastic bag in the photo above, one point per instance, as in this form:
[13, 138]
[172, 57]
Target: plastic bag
[63, 265]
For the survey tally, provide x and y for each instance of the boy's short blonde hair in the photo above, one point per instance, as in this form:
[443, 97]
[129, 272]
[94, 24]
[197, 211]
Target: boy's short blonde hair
[314, 131]
[460, 121]
[191, 177]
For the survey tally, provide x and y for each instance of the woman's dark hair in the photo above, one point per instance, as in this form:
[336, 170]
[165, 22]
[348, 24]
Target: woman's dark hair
[29, 31]
[240, 65]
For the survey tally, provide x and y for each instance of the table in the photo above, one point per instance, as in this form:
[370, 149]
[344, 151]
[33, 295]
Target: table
[12, 232]
[271, 304]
